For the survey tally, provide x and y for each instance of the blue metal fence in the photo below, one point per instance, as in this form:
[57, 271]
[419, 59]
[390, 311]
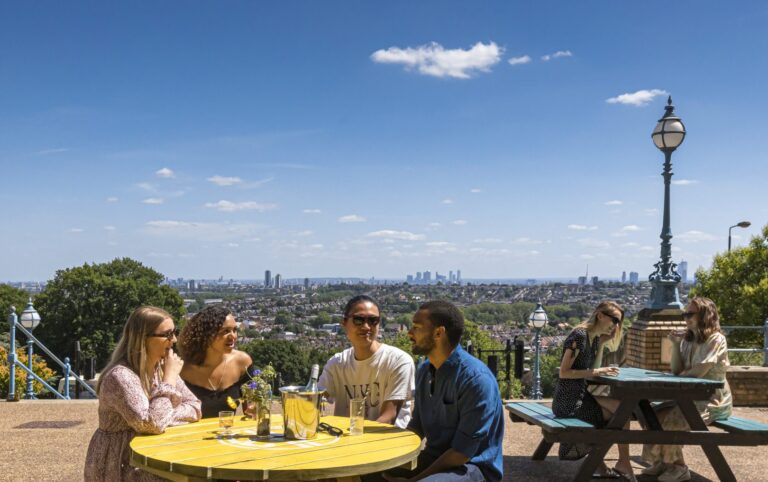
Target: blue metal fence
[13, 363]
[763, 350]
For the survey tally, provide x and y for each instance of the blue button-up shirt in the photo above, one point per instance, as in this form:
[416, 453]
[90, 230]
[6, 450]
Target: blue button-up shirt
[458, 407]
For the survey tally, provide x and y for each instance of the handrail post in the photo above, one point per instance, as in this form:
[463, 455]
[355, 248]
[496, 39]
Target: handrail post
[12, 355]
[765, 343]
[30, 395]
[66, 378]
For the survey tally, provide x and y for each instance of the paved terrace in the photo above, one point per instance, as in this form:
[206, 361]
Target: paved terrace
[56, 450]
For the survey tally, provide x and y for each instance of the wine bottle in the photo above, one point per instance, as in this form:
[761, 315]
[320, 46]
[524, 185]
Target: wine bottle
[313, 377]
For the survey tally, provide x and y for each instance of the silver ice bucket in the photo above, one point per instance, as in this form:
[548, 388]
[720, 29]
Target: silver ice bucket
[301, 412]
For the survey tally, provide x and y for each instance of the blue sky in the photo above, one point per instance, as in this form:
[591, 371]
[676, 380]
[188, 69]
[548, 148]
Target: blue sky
[376, 139]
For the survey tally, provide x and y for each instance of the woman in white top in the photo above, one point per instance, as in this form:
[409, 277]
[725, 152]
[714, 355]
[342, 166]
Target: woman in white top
[700, 351]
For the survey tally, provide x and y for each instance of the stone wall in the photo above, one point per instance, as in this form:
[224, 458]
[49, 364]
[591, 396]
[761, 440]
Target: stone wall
[749, 386]
[646, 342]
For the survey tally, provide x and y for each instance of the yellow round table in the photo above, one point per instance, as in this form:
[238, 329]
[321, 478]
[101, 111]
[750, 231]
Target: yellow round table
[193, 452]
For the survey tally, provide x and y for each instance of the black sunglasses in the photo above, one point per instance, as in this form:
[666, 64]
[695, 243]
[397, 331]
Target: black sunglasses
[330, 429]
[168, 335]
[616, 321]
[689, 314]
[360, 320]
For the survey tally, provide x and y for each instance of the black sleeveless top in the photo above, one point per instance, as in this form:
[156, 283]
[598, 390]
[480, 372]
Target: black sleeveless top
[214, 401]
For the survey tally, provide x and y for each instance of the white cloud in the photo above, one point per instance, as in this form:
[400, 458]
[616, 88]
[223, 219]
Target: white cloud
[45, 152]
[647, 248]
[594, 243]
[438, 244]
[614, 202]
[311, 211]
[434, 225]
[198, 231]
[231, 245]
[651, 211]
[638, 99]
[165, 173]
[75, 230]
[447, 201]
[631, 228]
[557, 55]
[487, 241]
[112, 199]
[316, 246]
[527, 241]
[523, 59]
[630, 245]
[695, 237]
[305, 233]
[351, 218]
[586, 256]
[459, 222]
[684, 182]
[581, 227]
[436, 61]
[475, 190]
[146, 186]
[229, 206]
[224, 181]
[109, 228]
[153, 200]
[392, 234]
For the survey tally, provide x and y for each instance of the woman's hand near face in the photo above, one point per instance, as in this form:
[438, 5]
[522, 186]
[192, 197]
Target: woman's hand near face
[676, 336]
[172, 365]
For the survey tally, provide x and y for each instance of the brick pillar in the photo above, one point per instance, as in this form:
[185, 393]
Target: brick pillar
[647, 345]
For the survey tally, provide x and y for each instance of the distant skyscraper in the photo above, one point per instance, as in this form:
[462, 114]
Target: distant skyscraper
[634, 277]
[278, 281]
[419, 277]
[267, 279]
[594, 280]
[450, 276]
[306, 283]
[582, 280]
[458, 276]
[623, 277]
[409, 279]
[427, 276]
[682, 268]
[191, 285]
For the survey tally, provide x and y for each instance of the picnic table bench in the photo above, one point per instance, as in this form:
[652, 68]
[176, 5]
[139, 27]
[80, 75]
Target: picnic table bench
[639, 390]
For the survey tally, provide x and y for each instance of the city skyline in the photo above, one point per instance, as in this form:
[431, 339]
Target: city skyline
[511, 140]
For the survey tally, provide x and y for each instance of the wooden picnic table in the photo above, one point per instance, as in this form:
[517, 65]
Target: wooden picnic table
[193, 452]
[637, 388]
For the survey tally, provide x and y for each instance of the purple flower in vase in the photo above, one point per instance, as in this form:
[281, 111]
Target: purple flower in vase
[256, 372]
[253, 385]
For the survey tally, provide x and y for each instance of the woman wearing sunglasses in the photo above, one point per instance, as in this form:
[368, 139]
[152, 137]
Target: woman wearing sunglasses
[140, 392]
[581, 359]
[699, 351]
[215, 370]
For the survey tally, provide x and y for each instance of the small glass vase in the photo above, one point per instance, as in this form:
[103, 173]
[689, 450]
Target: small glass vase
[260, 412]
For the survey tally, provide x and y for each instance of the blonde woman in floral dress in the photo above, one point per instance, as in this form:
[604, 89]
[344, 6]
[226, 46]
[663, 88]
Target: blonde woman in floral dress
[701, 352]
[140, 392]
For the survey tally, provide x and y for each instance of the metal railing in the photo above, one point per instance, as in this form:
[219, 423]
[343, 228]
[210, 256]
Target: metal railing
[13, 362]
[763, 350]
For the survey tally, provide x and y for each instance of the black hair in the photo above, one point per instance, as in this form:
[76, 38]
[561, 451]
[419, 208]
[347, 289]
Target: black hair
[356, 300]
[197, 335]
[445, 314]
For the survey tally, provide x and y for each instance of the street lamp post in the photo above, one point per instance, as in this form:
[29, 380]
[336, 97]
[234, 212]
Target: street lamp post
[743, 224]
[29, 319]
[537, 321]
[667, 136]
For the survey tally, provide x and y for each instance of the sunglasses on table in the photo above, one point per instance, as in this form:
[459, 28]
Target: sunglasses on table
[168, 335]
[371, 320]
[330, 429]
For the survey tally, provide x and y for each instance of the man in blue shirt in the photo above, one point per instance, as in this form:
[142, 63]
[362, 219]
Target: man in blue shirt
[457, 408]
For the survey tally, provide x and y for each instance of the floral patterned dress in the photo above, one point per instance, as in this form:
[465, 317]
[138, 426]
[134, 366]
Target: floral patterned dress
[125, 411]
[713, 351]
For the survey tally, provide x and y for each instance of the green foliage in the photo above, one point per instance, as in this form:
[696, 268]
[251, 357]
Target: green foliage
[91, 303]
[10, 296]
[514, 314]
[39, 367]
[290, 359]
[322, 318]
[738, 284]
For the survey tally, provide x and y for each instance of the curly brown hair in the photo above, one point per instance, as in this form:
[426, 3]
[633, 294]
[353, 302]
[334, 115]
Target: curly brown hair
[708, 323]
[200, 331]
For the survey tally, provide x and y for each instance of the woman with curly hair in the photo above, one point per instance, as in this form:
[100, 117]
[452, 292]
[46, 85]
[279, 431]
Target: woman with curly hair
[213, 368]
[699, 351]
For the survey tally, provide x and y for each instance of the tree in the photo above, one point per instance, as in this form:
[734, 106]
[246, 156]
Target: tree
[290, 359]
[738, 284]
[91, 303]
[10, 296]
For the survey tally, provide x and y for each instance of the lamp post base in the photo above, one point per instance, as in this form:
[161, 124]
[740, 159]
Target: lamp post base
[664, 295]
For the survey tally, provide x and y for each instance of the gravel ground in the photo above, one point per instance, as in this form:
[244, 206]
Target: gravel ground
[47, 440]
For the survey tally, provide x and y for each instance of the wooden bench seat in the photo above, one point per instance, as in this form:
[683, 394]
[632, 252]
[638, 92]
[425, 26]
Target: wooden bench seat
[742, 425]
[541, 415]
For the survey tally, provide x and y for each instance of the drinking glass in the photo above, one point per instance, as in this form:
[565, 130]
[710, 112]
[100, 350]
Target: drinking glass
[356, 416]
[226, 421]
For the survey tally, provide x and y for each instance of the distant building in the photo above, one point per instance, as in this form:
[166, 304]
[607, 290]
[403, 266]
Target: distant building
[409, 279]
[306, 283]
[278, 281]
[191, 285]
[419, 277]
[458, 276]
[427, 276]
[582, 280]
[623, 277]
[595, 280]
[634, 277]
[450, 277]
[267, 278]
[682, 268]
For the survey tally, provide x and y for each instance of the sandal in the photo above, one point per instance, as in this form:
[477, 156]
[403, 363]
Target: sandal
[607, 474]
